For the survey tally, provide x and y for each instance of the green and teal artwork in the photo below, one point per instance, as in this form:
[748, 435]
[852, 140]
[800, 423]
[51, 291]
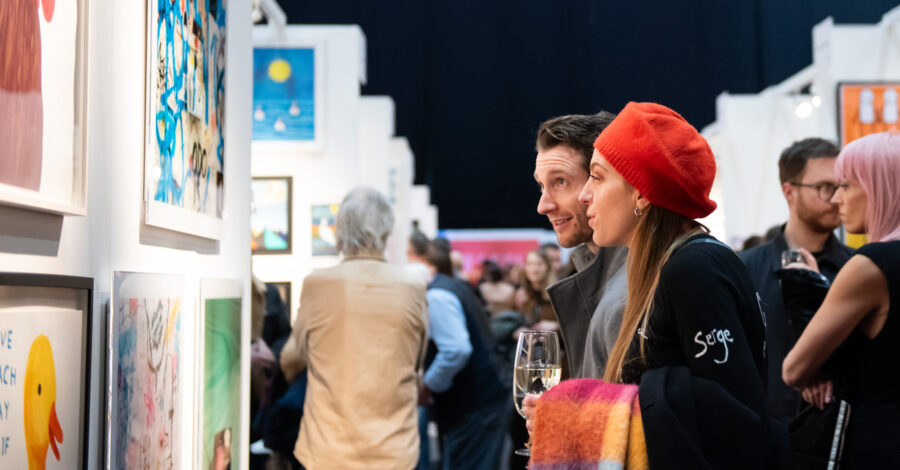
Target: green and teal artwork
[221, 382]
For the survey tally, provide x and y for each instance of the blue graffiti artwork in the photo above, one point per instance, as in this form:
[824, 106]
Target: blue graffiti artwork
[284, 106]
[187, 168]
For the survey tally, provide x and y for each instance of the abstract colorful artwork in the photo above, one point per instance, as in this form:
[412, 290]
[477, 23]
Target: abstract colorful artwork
[324, 241]
[221, 378]
[270, 215]
[284, 106]
[185, 146]
[44, 371]
[145, 371]
[41, 73]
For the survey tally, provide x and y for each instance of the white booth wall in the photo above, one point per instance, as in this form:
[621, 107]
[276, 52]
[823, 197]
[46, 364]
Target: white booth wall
[112, 236]
[400, 181]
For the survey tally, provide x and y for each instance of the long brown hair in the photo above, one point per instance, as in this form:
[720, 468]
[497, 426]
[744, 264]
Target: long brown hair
[539, 295]
[659, 232]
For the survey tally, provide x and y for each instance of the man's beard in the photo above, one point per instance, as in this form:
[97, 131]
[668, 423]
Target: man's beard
[815, 220]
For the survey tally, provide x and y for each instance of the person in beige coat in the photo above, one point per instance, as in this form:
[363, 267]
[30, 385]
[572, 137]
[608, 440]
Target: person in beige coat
[361, 331]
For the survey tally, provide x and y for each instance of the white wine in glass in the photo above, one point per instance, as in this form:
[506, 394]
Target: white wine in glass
[537, 368]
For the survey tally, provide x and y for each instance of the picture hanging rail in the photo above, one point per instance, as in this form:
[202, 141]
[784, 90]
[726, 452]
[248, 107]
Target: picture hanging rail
[43, 151]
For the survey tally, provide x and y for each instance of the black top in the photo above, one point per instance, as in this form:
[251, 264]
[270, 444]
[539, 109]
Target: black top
[866, 374]
[762, 262]
[706, 316]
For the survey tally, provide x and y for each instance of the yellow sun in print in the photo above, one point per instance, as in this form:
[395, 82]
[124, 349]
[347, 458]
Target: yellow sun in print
[279, 70]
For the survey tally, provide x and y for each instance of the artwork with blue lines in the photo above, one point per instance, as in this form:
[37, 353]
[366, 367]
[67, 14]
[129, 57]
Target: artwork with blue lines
[187, 164]
[284, 105]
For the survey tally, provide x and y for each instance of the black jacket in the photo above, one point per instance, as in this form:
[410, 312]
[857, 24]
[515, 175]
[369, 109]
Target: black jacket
[694, 423]
[763, 262]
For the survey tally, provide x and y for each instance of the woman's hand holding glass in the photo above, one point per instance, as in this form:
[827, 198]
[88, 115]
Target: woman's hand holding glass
[537, 369]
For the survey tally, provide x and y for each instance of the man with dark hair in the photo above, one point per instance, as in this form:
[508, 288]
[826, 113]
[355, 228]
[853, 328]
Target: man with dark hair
[589, 303]
[806, 171]
[469, 403]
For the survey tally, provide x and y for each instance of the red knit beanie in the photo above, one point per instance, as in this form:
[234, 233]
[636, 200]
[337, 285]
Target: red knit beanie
[662, 156]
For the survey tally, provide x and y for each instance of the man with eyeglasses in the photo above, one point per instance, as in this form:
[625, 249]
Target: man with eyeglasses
[806, 171]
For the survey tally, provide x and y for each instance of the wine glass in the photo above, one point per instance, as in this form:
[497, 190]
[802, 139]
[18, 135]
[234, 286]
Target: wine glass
[537, 368]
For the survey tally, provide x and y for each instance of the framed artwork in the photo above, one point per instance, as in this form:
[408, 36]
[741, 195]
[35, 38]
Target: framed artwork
[270, 215]
[219, 374]
[324, 241]
[43, 153]
[184, 161]
[284, 291]
[45, 370]
[866, 108]
[145, 391]
[288, 91]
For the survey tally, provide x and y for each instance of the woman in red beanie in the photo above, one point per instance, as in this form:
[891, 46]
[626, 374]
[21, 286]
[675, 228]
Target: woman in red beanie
[691, 303]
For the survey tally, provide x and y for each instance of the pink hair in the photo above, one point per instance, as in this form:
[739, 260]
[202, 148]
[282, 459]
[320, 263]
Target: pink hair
[874, 161]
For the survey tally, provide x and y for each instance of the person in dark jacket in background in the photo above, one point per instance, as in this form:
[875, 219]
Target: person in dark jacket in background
[806, 171]
[468, 402]
[691, 304]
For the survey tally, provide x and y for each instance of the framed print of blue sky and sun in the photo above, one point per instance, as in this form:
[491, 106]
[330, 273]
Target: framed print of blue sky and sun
[288, 91]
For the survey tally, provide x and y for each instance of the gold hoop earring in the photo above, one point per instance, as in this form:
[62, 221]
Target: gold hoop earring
[638, 212]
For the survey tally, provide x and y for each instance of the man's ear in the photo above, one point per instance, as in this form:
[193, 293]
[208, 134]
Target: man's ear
[789, 192]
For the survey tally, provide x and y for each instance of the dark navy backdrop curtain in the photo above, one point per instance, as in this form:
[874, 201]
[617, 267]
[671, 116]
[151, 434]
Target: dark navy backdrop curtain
[472, 79]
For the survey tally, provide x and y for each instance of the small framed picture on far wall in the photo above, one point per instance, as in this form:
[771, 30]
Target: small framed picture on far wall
[270, 215]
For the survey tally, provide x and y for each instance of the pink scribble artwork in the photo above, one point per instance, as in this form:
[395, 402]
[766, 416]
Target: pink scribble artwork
[146, 342]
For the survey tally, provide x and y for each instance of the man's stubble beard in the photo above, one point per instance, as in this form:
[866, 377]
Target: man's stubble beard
[813, 219]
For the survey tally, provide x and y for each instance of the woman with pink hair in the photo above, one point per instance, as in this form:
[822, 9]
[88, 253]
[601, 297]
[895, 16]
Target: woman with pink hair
[852, 339]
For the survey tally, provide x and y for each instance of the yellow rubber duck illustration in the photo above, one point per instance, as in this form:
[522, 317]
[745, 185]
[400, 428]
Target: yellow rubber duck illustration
[42, 427]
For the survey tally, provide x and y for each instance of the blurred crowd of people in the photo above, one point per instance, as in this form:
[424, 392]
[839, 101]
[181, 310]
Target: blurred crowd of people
[779, 356]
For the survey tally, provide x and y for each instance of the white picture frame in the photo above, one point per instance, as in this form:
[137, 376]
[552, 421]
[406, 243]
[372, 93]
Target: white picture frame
[149, 316]
[295, 38]
[62, 173]
[196, 205]
[226, 290]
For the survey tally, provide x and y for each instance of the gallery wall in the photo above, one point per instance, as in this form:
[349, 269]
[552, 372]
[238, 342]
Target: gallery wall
[113, 235]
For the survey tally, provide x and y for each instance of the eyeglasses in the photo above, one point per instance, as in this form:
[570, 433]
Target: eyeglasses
[825, 190]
